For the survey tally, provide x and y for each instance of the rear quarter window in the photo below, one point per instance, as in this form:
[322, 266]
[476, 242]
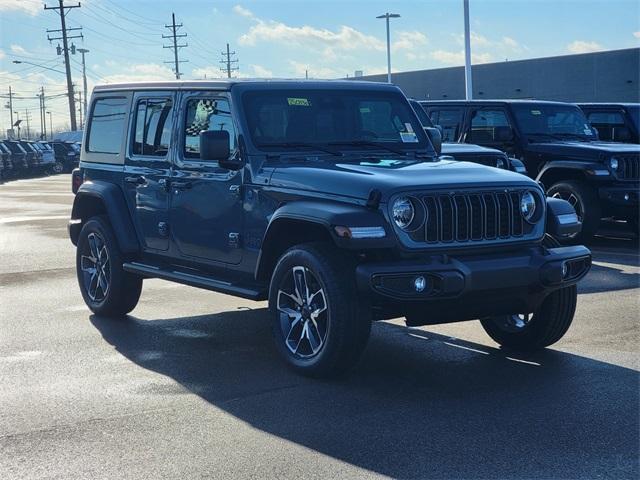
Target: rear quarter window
[106, 125]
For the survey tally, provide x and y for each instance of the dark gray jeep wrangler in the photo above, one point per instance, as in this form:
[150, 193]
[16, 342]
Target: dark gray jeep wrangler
[325, 197]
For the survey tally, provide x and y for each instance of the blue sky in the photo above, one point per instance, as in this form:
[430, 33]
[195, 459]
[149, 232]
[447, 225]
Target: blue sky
[328, 38]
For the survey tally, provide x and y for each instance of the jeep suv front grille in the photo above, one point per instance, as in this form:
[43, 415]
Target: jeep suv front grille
[464, 217]
[628, 167]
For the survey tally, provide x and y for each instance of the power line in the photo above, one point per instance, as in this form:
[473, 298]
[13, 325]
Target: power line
[175, 47]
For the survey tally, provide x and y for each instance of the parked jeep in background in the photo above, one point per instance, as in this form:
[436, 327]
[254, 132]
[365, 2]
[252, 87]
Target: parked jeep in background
[324, 197]
[66, 157]
[490, 157]
[615, 122]
[558, 147]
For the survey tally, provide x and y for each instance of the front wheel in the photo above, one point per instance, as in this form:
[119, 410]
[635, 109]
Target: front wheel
[319, 325]
[106, 288]
[584, 200]
[58, 167]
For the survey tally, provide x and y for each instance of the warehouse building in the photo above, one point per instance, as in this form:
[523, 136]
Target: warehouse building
[611, 76]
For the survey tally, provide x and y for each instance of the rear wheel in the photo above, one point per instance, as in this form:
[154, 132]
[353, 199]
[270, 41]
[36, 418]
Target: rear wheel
[319, 325]
[585, 201]
[537, 330]
[106, 288]
[58, 167]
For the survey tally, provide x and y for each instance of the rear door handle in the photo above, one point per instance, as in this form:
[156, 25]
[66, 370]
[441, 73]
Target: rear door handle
[136, 180]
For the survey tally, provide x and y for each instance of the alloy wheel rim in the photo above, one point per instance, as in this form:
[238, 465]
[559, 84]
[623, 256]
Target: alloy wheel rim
[302, 311]
[516, 322]
[57, 167]
[96, 268]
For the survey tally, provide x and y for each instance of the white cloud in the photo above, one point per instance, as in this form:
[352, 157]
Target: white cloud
[141, 72]
[636, 34]
[30, 7]
[457, 58]
[244, 12]
[580, 46]
[260, 71]
[408, 41]
[2, 54]
[299, 69]
[210, 72]
[510, 42]
[17, 49]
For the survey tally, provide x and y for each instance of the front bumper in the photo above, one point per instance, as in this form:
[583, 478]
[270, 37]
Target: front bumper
[622, 194]
[462, 288]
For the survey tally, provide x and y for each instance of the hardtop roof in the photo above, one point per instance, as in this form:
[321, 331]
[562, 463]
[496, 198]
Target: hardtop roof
[496, 101]
[227, 84]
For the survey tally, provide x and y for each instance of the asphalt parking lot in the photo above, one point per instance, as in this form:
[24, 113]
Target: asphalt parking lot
[190, 386]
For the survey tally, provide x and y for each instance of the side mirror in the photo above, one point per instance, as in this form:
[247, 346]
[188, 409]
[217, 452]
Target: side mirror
[503, 134]
[436, 138]
[214, 145]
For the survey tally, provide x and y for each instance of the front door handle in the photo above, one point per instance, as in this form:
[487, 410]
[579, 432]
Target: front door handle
[180, 185]
[136, 180]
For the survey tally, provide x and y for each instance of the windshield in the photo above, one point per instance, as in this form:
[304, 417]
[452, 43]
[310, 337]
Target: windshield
[342, 119]
[634, 113]
[552, 121]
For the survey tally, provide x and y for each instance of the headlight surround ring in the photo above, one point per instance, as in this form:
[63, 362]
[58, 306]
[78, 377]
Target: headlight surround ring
[528, 206]
[408, 213]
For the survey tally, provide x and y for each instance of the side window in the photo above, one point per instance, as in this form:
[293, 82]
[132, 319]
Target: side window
[606, 123]
[152, 127]
[206, 114]
[106, 125]
[486, 124]
[450, 121]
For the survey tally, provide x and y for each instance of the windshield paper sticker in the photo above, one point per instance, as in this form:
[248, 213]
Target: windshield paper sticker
[536, 112]
[409, 127]
[408, 137]
[587, 130]
[298, 102]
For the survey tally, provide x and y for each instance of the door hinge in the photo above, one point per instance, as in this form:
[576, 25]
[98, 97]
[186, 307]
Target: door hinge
[234, 240]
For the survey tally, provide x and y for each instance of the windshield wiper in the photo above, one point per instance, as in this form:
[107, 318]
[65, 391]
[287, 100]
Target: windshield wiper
[369, 143]
[311, 146]
[544, 135]
[573, 135]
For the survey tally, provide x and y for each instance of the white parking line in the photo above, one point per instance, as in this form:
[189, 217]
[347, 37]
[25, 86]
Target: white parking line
[31, 219]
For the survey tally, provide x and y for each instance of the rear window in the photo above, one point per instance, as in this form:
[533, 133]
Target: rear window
[450, 121]
[106, 126]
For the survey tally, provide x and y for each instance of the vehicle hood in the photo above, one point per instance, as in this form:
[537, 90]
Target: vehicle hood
[451, 148]
[590, 150]
[391, 176]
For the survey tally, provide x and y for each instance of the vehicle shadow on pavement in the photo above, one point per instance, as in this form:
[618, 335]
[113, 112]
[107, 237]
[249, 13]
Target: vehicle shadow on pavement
[419, 404]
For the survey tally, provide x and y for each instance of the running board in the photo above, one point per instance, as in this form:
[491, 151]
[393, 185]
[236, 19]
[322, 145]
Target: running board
[194, 280]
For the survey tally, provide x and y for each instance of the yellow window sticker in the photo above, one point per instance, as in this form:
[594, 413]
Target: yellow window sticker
[298, 102]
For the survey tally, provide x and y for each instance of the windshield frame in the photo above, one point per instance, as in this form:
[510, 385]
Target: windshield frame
[421, 147]
[557, 136]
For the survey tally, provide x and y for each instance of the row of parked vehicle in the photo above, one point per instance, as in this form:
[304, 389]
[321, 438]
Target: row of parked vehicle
[585, 154]
[23, 158]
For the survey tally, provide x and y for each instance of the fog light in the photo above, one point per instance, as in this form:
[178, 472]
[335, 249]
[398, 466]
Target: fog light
[420, 283]
[565, 270]
[626, 197]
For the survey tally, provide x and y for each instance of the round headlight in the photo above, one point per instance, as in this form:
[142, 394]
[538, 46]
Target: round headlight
[528, 205]
[403, 212]
[613, 163]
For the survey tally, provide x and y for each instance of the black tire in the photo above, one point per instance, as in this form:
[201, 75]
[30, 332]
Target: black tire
[587, 204]
[123, 289]
[58, 167]
[544, 327]
[340, 331]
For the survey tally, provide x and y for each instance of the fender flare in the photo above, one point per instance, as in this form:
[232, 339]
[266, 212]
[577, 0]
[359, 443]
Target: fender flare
[577, 165]
[322, 216]
[115, 206]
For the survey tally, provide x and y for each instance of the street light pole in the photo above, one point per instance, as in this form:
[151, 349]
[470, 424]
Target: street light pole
[50, 125]
[84, 79]
[468, 81]
[38, 65]
[387, 16]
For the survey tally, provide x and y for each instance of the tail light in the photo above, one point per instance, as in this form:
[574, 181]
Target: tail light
[76, 180]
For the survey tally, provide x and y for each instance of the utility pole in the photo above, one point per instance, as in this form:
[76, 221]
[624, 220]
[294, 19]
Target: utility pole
[174, 35]
[50, 125]
[226, 60]
[62, 11]
[11, 107]
[84, 79]
[80, 108]
[468, 82]
[43, 119]
[26, 116]
[18, 121]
